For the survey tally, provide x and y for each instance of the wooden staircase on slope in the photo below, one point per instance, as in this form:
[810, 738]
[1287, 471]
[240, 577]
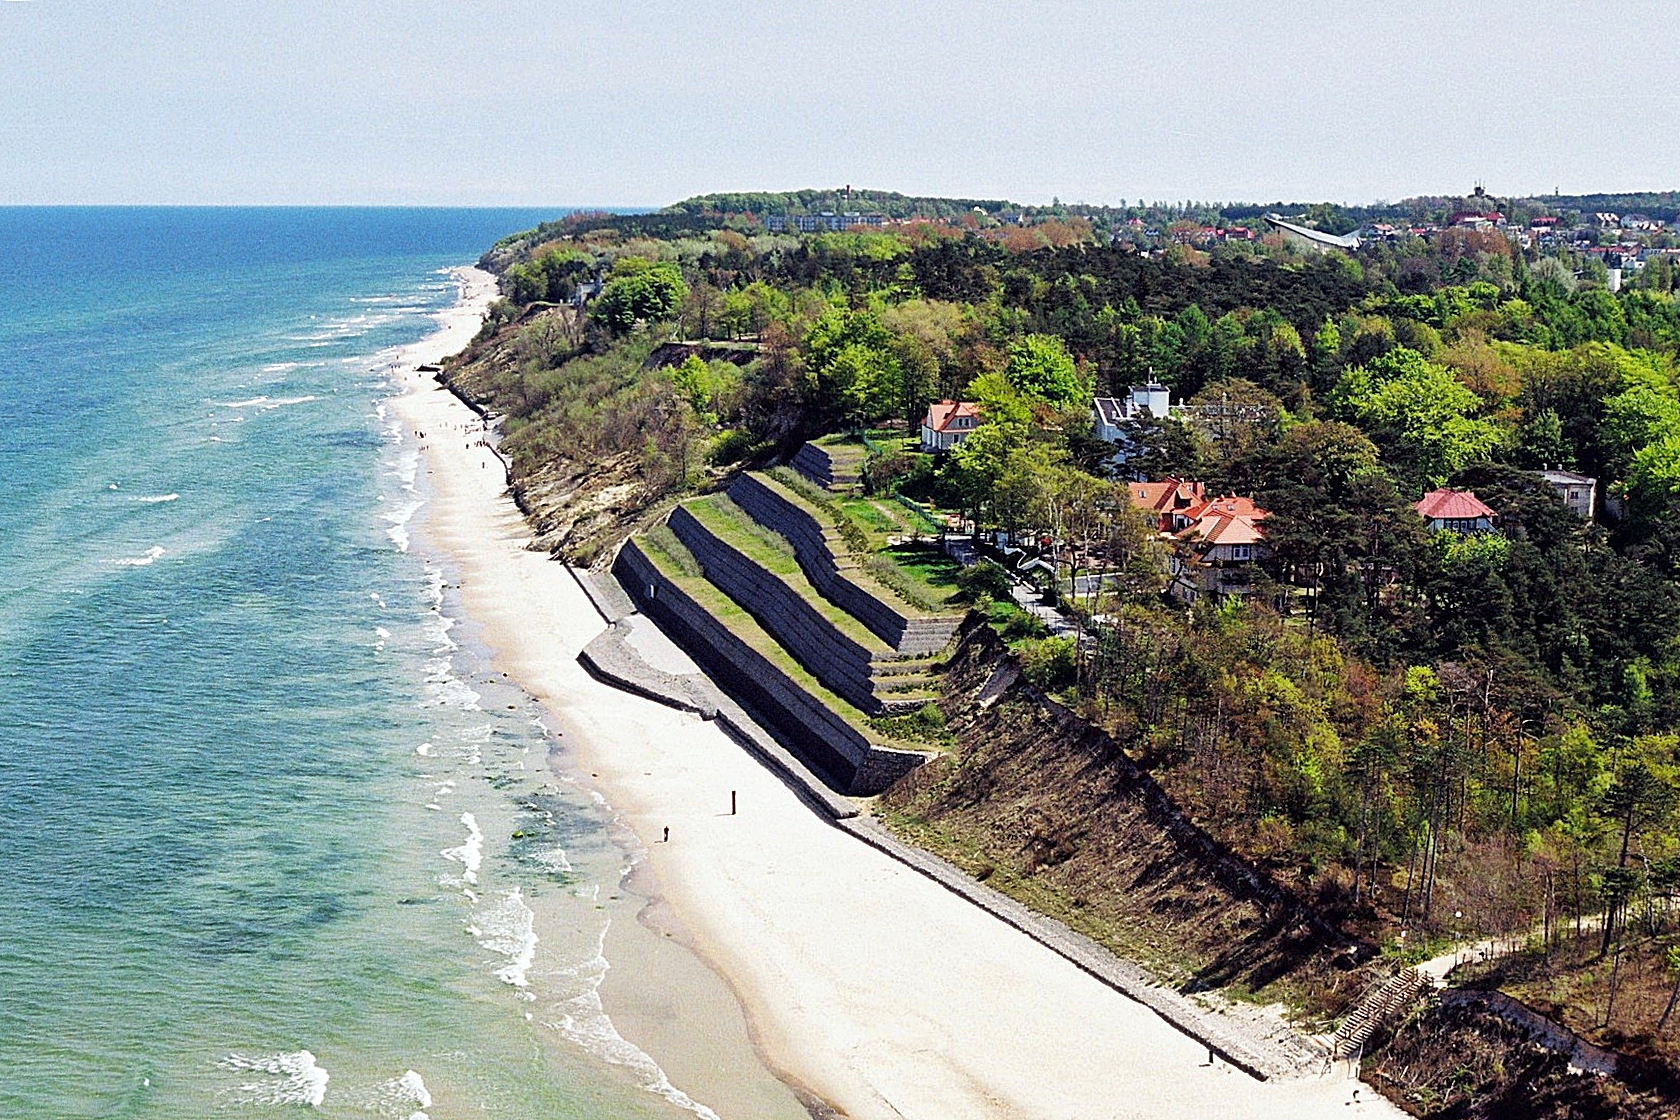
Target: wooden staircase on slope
[1379, 1006]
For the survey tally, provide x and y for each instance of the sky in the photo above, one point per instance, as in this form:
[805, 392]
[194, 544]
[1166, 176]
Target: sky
[553, 102]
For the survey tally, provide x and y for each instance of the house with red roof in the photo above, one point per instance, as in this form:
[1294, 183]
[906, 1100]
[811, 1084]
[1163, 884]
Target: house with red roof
[948, 423]
[1216, 539]
[1455, 511]
[1168, 501]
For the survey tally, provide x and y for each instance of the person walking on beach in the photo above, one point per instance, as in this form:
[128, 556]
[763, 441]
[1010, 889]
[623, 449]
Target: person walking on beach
[667, 839]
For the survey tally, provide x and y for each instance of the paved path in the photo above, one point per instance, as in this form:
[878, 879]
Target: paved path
[1027, 597]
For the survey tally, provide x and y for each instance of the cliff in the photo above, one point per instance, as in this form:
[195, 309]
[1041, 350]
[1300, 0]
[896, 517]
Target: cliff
[1048, 808]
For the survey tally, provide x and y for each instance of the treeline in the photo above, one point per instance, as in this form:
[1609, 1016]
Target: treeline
[838, 200]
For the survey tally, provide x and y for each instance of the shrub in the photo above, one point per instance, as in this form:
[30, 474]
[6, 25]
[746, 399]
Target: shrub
[731, 447]
[857, 541]
[1049, 663]
[984, 578]
[1014, 623]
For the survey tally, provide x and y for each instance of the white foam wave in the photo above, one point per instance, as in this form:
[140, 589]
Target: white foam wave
[292, 1079]
[267, 403]
[554, 861]
[424, 750]
[585, 1023]
[150, 557]
[400, 1098]
[406, 1094]
[449, 692]
[154, 499]
[470, 855]
[508, 926]
[399, 519]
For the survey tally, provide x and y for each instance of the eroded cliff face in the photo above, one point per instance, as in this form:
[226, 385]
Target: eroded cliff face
[1048, 808]
[588, 471]
[1461, 1059]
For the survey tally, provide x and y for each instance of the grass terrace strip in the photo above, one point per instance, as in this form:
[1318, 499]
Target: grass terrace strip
[729, 614]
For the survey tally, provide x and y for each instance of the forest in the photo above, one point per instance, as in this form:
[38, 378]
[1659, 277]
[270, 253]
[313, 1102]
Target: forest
[1429, 735]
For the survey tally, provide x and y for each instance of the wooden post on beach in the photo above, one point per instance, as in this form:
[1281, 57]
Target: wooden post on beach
[732, 803]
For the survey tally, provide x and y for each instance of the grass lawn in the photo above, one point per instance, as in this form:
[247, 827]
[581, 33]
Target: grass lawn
[877, 520]
[933, 573]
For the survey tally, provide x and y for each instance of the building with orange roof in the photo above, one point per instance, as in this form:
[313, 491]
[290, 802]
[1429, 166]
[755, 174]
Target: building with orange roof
[948, 423]
[1455, 511]
[1216, 539]
[1168, 501]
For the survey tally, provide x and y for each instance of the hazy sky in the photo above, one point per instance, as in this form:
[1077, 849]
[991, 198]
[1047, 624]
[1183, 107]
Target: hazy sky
[551, 102]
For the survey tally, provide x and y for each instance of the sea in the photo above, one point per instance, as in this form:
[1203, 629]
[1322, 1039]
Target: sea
[273, 834]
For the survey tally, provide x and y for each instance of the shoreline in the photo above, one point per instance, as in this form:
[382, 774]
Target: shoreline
[657, 988]
[870, 984]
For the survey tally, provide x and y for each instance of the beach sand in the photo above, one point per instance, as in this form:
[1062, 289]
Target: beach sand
[878, 990]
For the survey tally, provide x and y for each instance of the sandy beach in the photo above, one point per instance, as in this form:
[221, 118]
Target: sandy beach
[876, 989]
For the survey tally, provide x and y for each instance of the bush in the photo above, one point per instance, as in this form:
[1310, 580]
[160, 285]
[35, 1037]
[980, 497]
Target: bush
[984, 578]
[925, 725]
[857, 541]
[731, 447]
[883, 469]
[1049, 663]
[1014, 623]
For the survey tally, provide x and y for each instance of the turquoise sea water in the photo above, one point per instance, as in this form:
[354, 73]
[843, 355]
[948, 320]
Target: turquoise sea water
[259, 794]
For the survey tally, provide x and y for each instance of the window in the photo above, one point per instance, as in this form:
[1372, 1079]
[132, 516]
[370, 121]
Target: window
[1240, 552]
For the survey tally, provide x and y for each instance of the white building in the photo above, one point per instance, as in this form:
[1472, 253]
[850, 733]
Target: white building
[948, 423]
[1113, 415]
[1313, 240]
[1113, 412]
[1578, 491]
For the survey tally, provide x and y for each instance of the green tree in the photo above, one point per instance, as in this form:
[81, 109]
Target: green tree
[640, 291]
[1041, 369]
[550, 277]
[1418, 413]
[1542, 443]
[851, 356]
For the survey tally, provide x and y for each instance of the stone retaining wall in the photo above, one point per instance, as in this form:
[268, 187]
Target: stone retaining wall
[814, 733]
[1261, 1056]
[841, 664]
[906, 633]
[814, 463]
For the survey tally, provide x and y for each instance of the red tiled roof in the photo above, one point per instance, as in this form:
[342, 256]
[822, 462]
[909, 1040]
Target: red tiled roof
[1444, 504]
[1227, 520]
[1165, 498]
[1166, 494]
[941, 413]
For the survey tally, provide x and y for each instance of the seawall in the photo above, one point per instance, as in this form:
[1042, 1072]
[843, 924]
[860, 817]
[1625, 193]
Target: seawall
[820, 738]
